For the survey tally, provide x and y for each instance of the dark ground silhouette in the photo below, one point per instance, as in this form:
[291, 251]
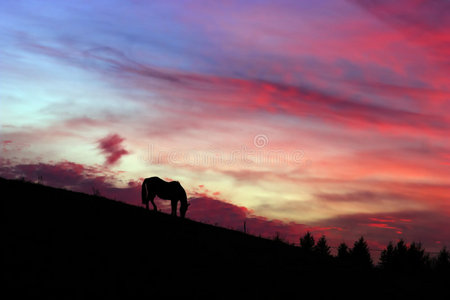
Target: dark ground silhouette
[64, 244]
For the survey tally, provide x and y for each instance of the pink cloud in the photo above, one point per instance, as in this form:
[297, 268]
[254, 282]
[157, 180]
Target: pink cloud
[112, 148]
[424, 22]
[233, 94]
[211, 210]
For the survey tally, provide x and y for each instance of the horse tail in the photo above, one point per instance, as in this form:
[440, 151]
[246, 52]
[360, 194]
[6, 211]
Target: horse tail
[144, 191]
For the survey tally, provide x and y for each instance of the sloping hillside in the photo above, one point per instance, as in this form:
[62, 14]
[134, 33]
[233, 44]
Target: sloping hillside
[67, 244]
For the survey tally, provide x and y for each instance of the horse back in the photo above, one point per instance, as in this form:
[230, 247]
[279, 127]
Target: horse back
[165, 190]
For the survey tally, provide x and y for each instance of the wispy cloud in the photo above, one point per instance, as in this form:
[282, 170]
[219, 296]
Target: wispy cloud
[111, 146]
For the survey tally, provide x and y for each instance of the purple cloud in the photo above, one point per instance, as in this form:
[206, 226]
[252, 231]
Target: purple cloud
[111, 147]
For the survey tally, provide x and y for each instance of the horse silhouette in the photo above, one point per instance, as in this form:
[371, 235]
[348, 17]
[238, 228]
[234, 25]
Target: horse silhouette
[173, 191]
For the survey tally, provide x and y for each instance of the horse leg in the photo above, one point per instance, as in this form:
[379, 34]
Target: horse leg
[174, 207]
[152, 200]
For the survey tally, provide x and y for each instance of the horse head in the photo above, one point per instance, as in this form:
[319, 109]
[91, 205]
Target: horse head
[183, 208]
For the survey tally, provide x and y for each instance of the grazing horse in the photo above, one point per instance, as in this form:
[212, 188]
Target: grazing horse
[173, 191]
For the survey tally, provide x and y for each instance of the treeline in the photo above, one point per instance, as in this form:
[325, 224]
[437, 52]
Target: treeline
[398, 257]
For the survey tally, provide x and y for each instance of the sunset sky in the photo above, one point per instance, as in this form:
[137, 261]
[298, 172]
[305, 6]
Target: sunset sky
[328, 116]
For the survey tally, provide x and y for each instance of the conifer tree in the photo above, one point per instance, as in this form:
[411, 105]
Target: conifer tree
[400, 256]
[416, 258]
[387, 257]
[322, 247]
[443, 261]
[307, 243]
[360, 255]
[343, 252]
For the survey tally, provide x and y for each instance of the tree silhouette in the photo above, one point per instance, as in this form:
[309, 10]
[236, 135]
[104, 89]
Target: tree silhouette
[403, 258]
[322, 248]
[399, 256]
[307, 243]
[442, 262]
[416, 258]
[343, 252]
[360, 255]
[387, 257]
